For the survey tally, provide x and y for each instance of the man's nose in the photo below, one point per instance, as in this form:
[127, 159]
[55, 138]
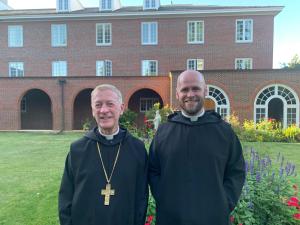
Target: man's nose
[103, 108]
[190, 93]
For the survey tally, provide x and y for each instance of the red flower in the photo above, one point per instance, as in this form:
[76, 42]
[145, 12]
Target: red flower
[150, 218]
[231, 219]
[293, 202]
[297, 216]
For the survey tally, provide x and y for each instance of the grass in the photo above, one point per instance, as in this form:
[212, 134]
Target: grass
[31, 166]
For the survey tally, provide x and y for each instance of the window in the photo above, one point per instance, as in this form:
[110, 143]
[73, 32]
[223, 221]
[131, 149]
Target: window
[59, 68]
[15, 36]
[150, 4]
[24, 105]
[195, 32]
[59, 35]
[16, 69]
[244, 30]
[149, 67]
[63, 5]
[106, 5]
[243, 64]
[104, 68]
[103, 34]
[147, 103]
[195, 64]
[149, 33]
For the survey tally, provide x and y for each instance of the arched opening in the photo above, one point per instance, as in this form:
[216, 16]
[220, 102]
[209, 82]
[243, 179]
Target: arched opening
[36, 111]
[142, 101]
[275, 110]
[209, 104]
[82, 110]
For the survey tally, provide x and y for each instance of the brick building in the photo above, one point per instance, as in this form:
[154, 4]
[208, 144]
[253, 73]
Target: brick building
[50, 59]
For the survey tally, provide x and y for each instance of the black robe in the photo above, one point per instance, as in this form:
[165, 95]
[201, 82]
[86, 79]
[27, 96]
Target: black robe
[80, 199]
[196, 170]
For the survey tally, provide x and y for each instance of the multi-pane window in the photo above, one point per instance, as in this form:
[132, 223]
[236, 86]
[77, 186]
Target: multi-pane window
[104, 68]
[59, 35]
[195, 64]
[260, 114]
[15, 36]
[59, 68]
[24, 105]
[195, 32]
[150, 4]
[291, 116]
[16, 69]
[106, 4]
[103, 34]
[243, 64]
[149, 33]
[149, 67]
[244, 30]
[147, 103]
[63, 5]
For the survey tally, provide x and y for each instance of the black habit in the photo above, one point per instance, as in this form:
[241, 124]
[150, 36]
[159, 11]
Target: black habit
[196, 170]
[80, 199]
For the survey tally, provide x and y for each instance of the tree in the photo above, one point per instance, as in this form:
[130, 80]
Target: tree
[293, 64]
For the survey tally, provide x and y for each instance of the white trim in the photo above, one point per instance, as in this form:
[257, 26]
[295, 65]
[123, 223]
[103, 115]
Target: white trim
[244, 59]
[52, 35]
[227, 106]
[149, 60]
[244, 20]
[110, 30]
[187, 13]
[12, 28]
[285, 105]
[149, 33]
[17, 63]
[187, 32]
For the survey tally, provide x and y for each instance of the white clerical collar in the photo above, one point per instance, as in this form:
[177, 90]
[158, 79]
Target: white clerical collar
[109, 136]
[194, 118]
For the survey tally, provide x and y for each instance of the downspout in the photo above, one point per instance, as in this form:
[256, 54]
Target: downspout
[62, 83]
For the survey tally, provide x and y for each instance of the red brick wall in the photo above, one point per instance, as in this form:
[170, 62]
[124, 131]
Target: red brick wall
[13, 89]
[218, 51]
[242, 87]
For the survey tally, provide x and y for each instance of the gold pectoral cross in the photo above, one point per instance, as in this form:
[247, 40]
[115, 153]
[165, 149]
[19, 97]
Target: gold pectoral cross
[107, 192]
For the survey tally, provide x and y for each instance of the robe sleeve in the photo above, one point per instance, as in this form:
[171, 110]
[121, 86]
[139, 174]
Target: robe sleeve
[65, 195]
[234, 176]
[142, 192]
[154, 169]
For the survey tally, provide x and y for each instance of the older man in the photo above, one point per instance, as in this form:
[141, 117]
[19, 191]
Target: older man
[105, 176]
[196, 166]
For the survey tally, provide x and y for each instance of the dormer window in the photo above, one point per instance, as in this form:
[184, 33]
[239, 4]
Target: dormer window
[62, 5]
[151, 4]
[105, 4]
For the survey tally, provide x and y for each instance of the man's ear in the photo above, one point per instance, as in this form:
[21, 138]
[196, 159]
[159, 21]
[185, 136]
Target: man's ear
[122, 108]
[205, 91]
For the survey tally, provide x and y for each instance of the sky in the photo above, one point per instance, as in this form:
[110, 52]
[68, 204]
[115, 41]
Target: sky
[286, 28]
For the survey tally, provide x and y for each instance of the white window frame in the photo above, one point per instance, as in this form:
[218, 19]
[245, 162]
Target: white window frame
[63, 5]
[196, 62]
[103, 27]
[18, 66]
[104, 5]
[201, 35]
[244, 63]
[146, 28]
[15, 36]
[147, 71]
[106, 70]
[150, 4]
[154, 100]
[244, 31]
[59, 69]
[59, 35]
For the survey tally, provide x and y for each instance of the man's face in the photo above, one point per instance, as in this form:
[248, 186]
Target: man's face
[191, 91]
[107, 110]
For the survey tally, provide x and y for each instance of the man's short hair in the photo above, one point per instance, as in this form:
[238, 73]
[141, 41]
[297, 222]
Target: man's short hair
[110, 87]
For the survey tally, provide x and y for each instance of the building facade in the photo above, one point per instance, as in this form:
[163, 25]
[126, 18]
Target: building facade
[50, 59]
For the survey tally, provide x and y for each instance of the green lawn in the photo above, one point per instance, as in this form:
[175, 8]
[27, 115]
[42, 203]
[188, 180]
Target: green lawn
[31, 165]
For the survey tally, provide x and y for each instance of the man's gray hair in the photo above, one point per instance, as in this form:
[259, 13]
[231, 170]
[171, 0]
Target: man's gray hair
[110, 87]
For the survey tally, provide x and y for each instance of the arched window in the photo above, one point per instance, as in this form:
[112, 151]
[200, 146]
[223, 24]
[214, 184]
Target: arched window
[220, 99]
